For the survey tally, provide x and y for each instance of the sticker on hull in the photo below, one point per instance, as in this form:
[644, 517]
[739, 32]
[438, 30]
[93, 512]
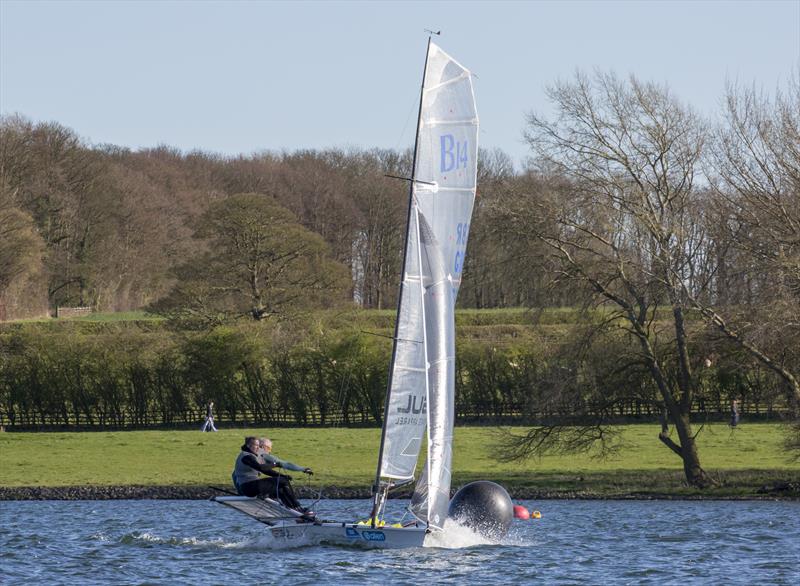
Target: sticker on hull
[374, 535]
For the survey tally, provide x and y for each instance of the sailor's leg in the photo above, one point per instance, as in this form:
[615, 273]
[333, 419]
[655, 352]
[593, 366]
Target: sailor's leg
[288, 496]
[267, 488]
[250, 489]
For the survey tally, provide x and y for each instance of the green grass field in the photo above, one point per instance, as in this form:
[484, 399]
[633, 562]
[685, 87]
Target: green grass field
[742, 460]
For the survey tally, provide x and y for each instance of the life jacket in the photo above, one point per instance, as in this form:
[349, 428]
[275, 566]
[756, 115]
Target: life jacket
[242, 472]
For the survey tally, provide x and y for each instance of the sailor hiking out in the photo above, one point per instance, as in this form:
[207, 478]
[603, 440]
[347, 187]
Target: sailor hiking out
[252, 462]
[265, 453]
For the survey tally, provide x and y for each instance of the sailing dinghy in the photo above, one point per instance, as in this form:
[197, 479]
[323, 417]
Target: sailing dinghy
[420, 392]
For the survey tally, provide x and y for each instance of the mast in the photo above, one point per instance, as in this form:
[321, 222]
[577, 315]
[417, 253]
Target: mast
[376, 486]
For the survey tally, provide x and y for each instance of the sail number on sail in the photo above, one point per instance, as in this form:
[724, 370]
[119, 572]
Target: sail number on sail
[453, 153]
[462, 230]
[407, 412]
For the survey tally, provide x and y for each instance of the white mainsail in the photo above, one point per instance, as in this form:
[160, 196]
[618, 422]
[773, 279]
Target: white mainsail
[422, 376]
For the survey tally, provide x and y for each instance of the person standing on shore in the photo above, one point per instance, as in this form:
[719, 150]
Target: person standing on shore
[209, 422]
[734, 413]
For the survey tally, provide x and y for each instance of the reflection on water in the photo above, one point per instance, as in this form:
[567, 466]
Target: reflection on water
[636, 542]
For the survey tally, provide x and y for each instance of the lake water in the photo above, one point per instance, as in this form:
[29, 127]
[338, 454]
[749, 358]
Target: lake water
[575, 542]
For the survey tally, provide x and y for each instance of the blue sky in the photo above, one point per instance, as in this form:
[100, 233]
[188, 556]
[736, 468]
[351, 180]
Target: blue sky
[238, 77]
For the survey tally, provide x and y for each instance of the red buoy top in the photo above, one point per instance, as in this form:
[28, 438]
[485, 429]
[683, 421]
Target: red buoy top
[521, 512]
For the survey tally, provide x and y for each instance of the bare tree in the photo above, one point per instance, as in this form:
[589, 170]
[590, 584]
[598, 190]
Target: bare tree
[620, 222]
[21, 247]
[755, 171]
[379, 212]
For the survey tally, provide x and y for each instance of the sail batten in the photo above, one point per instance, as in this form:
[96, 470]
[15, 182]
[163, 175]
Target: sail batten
[434, 122]
[420, 398]
[448, 82]
[412, 368]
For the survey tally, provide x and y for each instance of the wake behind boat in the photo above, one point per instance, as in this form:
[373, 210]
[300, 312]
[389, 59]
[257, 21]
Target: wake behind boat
[420, 391]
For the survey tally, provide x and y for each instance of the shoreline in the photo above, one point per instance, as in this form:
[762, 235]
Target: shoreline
[778, 491]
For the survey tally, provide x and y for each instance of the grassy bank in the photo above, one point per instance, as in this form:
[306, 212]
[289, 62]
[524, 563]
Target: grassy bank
[742, 460]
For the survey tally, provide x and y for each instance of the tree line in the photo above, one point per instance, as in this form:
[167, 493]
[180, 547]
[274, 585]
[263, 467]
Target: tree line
[107, 227]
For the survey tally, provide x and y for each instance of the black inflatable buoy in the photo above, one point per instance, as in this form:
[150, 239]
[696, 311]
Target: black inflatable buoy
[484, 507]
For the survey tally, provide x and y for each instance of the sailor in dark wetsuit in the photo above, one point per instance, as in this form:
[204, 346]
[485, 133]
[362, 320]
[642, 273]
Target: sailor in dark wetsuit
[246, 478]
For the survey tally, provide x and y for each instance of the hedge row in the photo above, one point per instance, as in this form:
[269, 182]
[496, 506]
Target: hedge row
[123, 377]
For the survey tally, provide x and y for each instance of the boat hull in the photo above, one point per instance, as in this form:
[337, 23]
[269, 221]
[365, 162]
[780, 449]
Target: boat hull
[290, 529]
[299, 534]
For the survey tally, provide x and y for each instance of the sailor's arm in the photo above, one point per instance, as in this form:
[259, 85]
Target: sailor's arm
[277, 462]
[253, 462]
